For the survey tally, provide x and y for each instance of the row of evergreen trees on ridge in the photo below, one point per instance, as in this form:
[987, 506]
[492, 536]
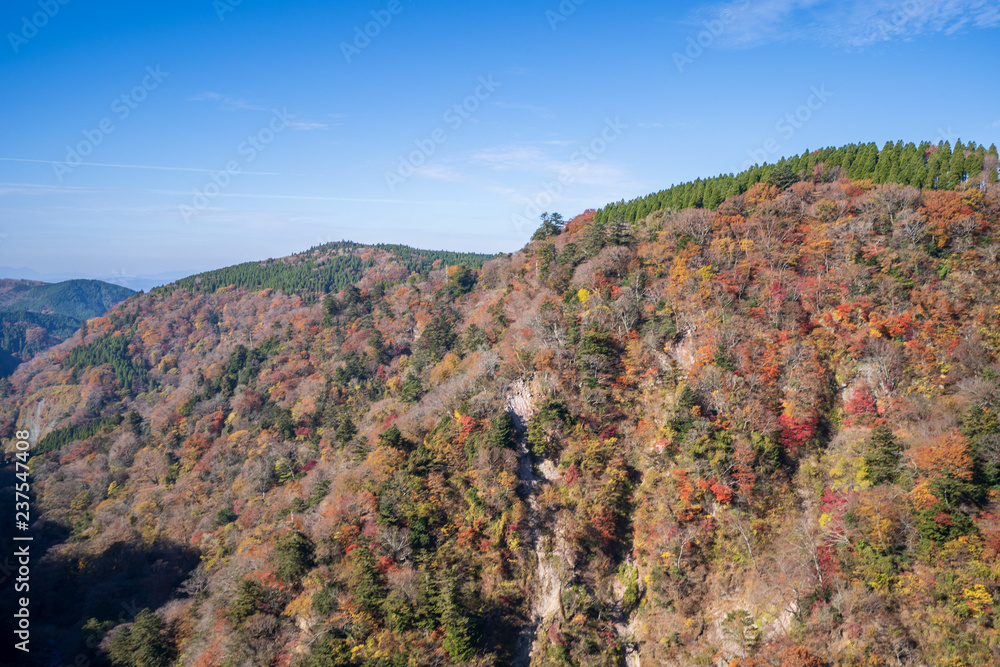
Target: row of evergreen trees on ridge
[322, 269]
[333, 266]
[926, 165]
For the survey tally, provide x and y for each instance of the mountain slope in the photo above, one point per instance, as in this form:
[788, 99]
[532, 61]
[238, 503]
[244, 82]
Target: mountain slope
[766, 434]
[330, 267]
[35, 316]
[924, 165]
[79, 299]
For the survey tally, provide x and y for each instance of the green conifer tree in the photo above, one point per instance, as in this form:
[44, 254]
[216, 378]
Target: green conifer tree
[294, 554]
[864, 165]
[460, 636]
[883, 456]
[887, 160]
[956, 166]
[974, 164]
[143, 644]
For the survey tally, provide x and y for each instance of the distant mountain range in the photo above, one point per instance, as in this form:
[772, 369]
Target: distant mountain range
[80, 299]
[35, 315]
[143, 283]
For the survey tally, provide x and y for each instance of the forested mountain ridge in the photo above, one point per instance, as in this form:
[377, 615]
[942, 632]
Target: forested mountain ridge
[35, 315]
[760, 434]
[79, 299]
[330, 267]
[925, 165]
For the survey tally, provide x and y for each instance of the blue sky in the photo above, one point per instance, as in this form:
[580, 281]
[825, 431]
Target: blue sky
[173, 137]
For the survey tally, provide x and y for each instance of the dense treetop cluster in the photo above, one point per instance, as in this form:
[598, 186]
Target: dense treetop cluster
[928, 166]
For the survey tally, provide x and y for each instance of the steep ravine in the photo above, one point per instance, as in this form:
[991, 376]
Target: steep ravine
[626, 626]
[554, 558]
[549, 574]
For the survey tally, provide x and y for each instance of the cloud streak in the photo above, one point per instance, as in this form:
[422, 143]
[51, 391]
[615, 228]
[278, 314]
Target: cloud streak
[41, 189]
[144, 166]
[530, 160]
[228, 103]
[851, 23]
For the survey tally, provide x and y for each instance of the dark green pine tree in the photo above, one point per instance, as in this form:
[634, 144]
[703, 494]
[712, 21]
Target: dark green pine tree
[844, 157]
[501, 433]
[883, 456]
[427, 616]
[144, 644]
[438, 337]
[887, 162]
[921, 167]
[294, 555]
[698, 194]
[595, 237]
[981, 426]
[734, 189]
[345, 429]
[956, 166]
[462, 282]
[249, 601]
[933, 171]
[805, 162]
[991, 163]
[460, 636]
[782, 176]
[552, 224]
[330, 651]
[895, 169]
[864, 165]
[368, 586]
[974, 164]
[712, 197]
[618, 231]
[331, 308]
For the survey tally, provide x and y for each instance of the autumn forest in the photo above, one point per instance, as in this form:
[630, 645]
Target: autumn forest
[750, 420]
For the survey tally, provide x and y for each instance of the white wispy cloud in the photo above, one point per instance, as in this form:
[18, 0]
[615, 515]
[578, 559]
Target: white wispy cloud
[541, 112]
[226, 102]
[306, 125]
[851, 23]
[439, 172]
[142, 166]
[533, 161]
[44, 189]
[515, 157]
